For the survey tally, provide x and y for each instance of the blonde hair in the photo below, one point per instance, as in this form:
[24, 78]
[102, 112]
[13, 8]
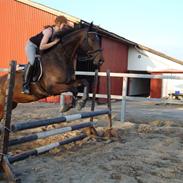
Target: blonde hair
[60, 19]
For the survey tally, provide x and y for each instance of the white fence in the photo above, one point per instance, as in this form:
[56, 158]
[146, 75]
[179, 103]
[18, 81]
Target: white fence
[123, 97]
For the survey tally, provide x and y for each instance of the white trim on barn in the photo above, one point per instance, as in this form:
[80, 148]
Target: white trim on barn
[49, 10]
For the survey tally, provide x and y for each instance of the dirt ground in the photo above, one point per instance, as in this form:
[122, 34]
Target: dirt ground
[147, 148]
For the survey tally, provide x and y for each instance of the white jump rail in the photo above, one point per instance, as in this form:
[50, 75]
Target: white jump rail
[4, 69]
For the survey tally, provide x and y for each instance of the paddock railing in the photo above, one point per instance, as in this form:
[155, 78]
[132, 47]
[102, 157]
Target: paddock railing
[123, 97]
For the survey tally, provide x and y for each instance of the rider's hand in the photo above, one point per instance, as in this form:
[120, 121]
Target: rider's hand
[56, 40]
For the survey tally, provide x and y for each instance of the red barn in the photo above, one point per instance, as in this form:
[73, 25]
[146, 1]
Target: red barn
[21, 19]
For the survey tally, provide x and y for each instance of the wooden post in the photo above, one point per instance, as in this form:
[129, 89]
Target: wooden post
[109, 97]
[123, 102]
[4, 163]
[94, 92]
[92, 129]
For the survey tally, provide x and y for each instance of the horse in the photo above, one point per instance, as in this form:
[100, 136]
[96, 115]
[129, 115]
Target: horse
[58, 74]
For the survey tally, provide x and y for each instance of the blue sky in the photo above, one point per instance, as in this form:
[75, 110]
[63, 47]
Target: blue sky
[153, 23]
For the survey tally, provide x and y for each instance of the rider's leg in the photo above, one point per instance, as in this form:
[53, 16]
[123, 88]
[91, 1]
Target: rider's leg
[27, 78]
[30, 52]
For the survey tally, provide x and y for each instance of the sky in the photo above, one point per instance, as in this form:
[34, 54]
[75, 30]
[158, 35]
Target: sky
[157, 24]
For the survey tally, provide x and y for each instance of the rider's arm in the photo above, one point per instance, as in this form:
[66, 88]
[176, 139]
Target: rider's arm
[71, 24]
[47, 33]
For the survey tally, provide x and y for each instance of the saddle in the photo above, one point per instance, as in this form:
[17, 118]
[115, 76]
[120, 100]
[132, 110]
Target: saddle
[37, 69]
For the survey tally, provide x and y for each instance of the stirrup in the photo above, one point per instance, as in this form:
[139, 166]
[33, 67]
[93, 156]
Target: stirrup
[26, 90]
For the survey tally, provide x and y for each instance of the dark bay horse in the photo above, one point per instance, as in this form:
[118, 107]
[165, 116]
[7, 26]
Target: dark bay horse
[58, 68]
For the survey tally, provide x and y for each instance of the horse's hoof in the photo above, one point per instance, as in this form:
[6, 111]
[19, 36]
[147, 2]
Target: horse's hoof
[80, 105]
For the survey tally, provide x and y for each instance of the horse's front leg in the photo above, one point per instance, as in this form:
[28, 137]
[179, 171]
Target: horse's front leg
[81, 103]
[72, 87]
[65, 106]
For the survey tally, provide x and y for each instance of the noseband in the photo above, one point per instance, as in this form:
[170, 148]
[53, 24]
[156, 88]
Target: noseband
[91, 55]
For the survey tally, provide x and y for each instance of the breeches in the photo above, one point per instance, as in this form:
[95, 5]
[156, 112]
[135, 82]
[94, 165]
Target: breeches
[30, 50]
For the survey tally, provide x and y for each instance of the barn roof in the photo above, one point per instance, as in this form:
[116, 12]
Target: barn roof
[101, 30]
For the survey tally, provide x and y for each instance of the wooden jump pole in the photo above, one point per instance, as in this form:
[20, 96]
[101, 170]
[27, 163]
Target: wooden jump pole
[49, 133]
[4, 162]
[44, 149]
[38, 123]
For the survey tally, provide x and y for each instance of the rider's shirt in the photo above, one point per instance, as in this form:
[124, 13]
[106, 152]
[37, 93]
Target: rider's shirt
[37, 38]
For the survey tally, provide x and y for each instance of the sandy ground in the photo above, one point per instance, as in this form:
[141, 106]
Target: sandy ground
[147, 148]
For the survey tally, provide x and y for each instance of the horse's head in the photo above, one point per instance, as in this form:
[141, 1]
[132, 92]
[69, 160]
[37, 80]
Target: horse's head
[91, 47]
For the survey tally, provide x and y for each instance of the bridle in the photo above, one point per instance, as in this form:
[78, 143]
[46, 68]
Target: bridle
[90, 55]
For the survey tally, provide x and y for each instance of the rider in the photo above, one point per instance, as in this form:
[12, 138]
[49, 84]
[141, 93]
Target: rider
[41, 41]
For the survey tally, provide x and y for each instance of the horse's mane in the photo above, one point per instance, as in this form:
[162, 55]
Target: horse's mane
[67, 30]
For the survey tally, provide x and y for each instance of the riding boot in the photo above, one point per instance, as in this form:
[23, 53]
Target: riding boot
[27, 79]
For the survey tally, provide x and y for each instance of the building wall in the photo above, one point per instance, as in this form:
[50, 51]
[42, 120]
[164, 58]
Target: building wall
[156, 87]
[115, 59]
[146, 61]
[19, 22]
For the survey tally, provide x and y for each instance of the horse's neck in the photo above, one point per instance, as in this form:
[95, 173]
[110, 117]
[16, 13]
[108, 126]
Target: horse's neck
[65, 51]
[71, 46]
